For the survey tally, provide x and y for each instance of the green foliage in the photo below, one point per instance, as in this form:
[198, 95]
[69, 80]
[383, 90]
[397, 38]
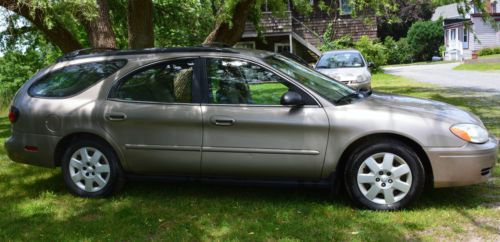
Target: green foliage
[489, 51]
[372, 51]
[425, 37]
[182, 23]
[22, 57]
[398, 52]
[344, 42]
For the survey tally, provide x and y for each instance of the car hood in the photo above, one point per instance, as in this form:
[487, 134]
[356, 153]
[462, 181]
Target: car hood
[343, 74]
[418, 107]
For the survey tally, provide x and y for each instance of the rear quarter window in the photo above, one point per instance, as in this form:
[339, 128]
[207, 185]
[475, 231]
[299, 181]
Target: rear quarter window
[73, 79]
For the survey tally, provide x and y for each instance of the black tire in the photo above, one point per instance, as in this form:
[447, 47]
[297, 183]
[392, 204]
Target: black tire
[116, 179]
[367, 149]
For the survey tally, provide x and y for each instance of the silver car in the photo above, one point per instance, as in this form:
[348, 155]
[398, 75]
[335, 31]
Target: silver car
[217, 114]
[348, 67]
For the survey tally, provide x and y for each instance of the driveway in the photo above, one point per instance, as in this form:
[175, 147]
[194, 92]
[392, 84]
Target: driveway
[443, 74]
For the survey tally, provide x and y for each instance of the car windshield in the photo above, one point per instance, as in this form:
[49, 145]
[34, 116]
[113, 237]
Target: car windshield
[341, 60]
[321, 84]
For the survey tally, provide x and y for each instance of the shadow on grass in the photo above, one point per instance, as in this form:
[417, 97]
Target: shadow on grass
[36, 206]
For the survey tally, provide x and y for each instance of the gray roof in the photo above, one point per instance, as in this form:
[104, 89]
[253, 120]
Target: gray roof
[449, 11]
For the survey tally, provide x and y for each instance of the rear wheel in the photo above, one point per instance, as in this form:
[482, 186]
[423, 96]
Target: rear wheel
[91, 169]
[384, 175]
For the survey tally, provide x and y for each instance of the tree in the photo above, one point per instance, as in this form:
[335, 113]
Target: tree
[229, 32]
[425, 37]
[103, 20]
[140, 24]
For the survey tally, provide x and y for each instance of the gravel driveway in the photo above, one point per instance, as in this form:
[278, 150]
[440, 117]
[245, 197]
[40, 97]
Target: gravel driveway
[443, 74]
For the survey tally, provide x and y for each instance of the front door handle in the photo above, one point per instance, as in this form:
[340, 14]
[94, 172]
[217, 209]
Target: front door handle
[116, 116]
[223, 121]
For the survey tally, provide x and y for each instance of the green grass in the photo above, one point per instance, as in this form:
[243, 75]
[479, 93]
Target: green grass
[34, 204]
[494, 66]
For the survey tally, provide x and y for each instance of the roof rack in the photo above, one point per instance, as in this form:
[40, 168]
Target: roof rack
[86, 51]
[216, 45]
[96, 52]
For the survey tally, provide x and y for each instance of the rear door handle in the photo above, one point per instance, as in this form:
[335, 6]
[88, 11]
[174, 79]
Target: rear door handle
[223, 121]
[116, 116]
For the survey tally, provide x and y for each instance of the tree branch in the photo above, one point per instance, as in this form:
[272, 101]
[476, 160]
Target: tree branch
[57, 34]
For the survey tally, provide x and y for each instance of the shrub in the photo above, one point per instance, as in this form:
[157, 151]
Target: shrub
[398, 52]
[489, 51]
[425, 38]
[344, 42]
[372, 51]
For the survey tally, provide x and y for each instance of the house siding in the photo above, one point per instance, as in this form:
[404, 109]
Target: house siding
[486, 35]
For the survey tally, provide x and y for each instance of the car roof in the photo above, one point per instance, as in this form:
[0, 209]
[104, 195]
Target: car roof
[341, 51]
[104, 52]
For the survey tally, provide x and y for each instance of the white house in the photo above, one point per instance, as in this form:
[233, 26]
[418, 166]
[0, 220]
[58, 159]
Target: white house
[465, 35]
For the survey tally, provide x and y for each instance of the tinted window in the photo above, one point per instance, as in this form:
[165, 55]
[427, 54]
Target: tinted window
[241, 82]
[168, 82]
[73, 79]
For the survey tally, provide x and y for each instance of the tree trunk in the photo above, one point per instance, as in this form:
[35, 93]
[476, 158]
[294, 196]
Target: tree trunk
[140, 24]
[99, 30]
[231, 34]
[57, 34]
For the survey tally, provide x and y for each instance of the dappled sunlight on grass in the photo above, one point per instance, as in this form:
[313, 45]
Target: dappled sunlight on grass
[36, 206]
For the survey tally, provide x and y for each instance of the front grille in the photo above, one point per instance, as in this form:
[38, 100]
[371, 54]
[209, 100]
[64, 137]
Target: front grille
[485, 171]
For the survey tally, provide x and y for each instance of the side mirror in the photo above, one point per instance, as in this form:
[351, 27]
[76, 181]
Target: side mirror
[371, 64]
[291, 98]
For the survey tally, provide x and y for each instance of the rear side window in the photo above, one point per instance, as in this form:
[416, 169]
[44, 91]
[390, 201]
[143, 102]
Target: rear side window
[73, 79]
[168, 82]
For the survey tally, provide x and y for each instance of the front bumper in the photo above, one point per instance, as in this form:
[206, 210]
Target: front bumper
[44, 156]
[363, 86]
[470, 164]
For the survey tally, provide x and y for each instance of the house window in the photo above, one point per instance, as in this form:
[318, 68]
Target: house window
[282, 48]
[245, 45]
[345, 7]
[453, 35]
[446, 37]
[466, 38]
[494, 7]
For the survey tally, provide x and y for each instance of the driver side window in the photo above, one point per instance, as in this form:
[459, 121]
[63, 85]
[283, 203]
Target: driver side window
[241, 82]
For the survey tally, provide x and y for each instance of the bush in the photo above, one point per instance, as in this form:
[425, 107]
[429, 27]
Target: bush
[372, 51]
[16, 67]
[489, 51]
[344, 42]
[398, 52]
[425, 38]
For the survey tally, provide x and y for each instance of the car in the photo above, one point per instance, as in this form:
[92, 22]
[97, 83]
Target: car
[221, 114]
[348, 67]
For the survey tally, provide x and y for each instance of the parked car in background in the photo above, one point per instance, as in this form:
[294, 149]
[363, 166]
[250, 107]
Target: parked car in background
[221, 114]
[348, 67]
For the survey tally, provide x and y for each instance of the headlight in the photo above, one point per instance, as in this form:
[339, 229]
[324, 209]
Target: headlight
[360, 79]
[470, 132]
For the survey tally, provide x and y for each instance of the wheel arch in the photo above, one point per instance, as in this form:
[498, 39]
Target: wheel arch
[422, 155]
[67, 140]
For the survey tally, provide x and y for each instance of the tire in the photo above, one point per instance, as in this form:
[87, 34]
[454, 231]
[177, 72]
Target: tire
[394, 185]
[94, 176]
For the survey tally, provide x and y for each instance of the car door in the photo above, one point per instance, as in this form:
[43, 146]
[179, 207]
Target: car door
[248, 133]
[153, 115]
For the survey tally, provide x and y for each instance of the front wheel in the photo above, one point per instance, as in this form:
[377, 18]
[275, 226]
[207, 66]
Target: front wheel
[384, 175]
[90, 169]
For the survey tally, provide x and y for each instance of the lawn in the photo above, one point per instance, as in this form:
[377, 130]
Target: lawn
[34, 204]
[493, 66]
